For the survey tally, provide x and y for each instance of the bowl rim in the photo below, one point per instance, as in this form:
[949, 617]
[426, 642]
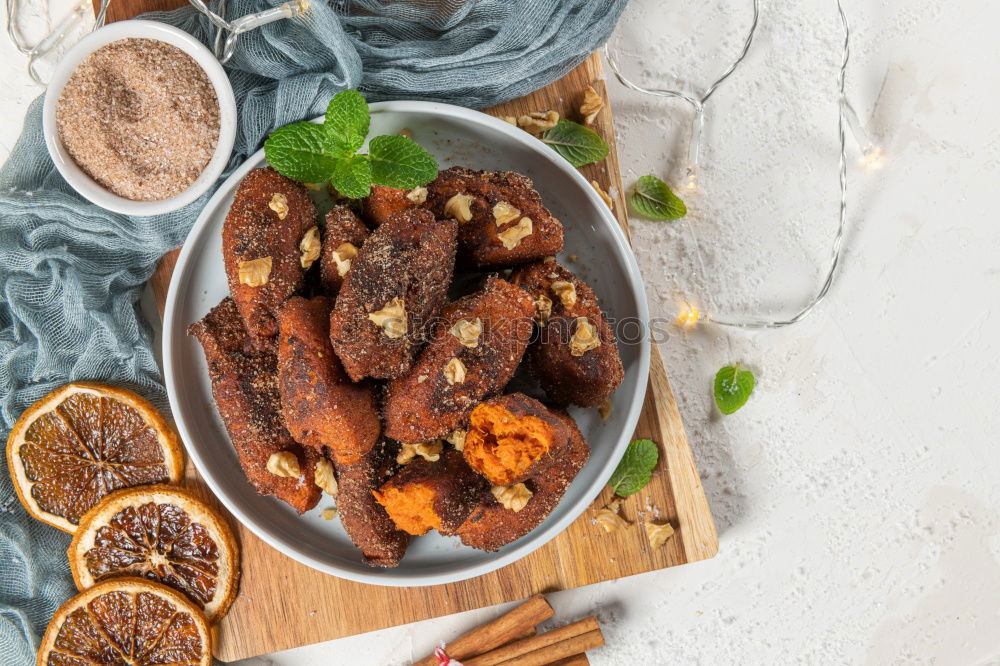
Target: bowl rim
[392, 577]
[86, 186]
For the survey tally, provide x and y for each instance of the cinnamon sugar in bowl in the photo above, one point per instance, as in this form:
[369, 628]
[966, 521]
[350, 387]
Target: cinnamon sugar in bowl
[140, 118]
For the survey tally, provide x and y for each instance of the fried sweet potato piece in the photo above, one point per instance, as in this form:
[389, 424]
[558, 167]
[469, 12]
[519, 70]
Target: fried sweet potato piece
[322, 407]
[343, 234]
[260, 248]
[396, 285]
[383, 203]
[575, 355]
[491, 209]
[364, 519]
[491, 526]
[244, 383]
[512, 438]
[432, 495]
[487, 332]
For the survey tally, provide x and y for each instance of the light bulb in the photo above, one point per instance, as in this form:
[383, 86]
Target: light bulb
[687, 317]
[690, 180]
[871, 157]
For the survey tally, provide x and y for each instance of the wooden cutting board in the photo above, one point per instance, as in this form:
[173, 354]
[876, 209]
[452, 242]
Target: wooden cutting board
[284, 604]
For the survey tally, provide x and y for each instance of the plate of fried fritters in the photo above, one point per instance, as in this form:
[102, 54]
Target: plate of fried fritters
[455, 369]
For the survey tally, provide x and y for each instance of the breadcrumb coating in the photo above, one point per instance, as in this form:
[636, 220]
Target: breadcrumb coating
[255, 230]
[405, 266]
[363, 518]
[245, 387]
[568, 376]
[322, 407]
[494, 195]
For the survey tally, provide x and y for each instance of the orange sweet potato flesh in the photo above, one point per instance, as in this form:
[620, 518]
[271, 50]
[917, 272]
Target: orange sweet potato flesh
[502, 446]
[410, 506]
[438, 495]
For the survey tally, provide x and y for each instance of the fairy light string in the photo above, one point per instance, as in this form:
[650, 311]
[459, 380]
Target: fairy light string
[871, 154]
[224, 43]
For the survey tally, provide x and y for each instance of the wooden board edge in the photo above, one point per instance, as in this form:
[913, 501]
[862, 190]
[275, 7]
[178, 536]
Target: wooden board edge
[696, 526]
[695, 523]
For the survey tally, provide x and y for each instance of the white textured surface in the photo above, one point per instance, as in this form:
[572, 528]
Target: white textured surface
[858, 493]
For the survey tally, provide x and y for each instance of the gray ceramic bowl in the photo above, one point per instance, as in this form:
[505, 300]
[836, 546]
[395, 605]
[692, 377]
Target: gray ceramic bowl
[456, 136]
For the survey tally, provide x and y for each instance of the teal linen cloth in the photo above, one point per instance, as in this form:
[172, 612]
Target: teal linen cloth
[71, 272]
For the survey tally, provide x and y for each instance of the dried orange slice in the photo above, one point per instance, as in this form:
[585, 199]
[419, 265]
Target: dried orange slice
[84, 441]
[161, 533]
[127, 621]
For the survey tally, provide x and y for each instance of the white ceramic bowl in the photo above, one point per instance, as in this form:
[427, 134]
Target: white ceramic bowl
[87, 186]
[455, 136]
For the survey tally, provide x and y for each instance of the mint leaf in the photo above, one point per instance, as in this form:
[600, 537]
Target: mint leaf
[316, 153]
[399, 162]
[733, 386]
[352, 176]
[347, 121]
[635, 468]
[578, 144]
[651, 198]
[302, 151]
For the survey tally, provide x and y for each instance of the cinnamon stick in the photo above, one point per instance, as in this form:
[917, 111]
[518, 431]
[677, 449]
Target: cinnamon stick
[527, 633]
[556, 651]
[500, 631]
[524, 646]
[575, 660]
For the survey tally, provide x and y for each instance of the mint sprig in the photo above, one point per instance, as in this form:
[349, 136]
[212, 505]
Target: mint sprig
[635, 468]
[652, 198]
[733, 386]
[316, 153]
[578, 144]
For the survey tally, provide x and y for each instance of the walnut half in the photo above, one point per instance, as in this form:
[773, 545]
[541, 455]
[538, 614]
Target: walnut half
[459, 207]
[343, 256]
[504, 212]
[538, 121]
[511, 237]
[310, 247]
[325, 478]
[457, 438]
[429, 451]
[566, 291]
[255, 273]
[585, 337]
[591, 106]
[513, 497]
[610, 517]
[284, 464]
[279, 204]
[658, 534]
[454, 372]
[543, 309]
[468, 331]
[417, 195]
[391, 318]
